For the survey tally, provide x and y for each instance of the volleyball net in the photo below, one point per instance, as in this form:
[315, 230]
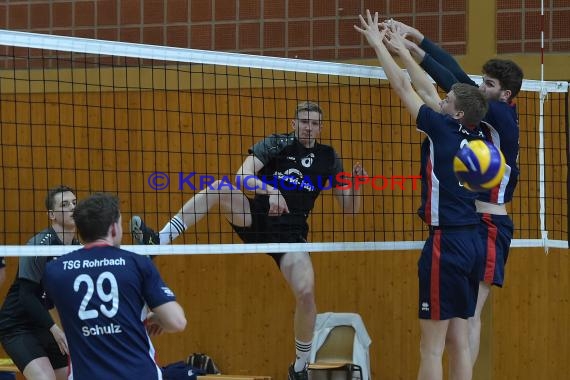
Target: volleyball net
[155, 125]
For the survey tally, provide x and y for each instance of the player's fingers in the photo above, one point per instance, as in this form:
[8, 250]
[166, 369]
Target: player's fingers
[369, 17]
[362, 22]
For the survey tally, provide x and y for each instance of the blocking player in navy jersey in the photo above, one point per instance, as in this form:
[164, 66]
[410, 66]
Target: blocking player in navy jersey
[502, 80]
[287, 173]
[103, 295]
[447, 268]
[28, 332]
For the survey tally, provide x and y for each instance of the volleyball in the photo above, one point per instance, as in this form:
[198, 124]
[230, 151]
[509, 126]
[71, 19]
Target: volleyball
[479, 165]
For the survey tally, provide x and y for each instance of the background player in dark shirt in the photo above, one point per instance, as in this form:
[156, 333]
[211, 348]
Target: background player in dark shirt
[286, 173]
[502, 81]
[447, 268]
[103, 294]
[2, 270]
[28, 332]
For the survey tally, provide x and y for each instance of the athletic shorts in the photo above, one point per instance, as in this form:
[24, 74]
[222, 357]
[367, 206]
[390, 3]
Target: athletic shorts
[497, 233]
[448, 273]
[270, 229]
[24, 347]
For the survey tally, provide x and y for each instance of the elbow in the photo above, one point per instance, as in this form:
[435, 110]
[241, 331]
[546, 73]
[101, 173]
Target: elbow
[170, 317]
[179, 324]
[174, 324]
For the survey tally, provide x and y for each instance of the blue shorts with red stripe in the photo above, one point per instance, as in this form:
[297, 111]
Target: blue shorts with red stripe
[448, 272]
[497, 233]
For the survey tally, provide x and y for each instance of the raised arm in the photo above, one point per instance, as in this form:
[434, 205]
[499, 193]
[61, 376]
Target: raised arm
[399, 81]
[350, 198]
[446, 61]
[423, 85]
[437, 62]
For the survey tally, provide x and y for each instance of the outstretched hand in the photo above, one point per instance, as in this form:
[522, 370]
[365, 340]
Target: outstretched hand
[406, 31]
[395, 43]
[358, 170]
[370, 29]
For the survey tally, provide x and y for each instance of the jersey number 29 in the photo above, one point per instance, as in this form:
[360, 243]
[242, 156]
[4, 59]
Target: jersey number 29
[110, 298]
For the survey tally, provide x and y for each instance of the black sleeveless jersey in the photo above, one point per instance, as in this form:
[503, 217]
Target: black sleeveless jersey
[298, 172]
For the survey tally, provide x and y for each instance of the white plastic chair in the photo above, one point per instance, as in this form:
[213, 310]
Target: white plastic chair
[340, 348]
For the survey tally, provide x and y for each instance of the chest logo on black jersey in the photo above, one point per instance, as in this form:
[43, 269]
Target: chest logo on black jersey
[293, 173]
[308, 161]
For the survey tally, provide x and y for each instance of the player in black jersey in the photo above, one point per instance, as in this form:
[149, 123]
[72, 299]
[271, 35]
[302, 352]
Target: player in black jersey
[2, 270]
[447, 268]
[286, 172]
[28, 333]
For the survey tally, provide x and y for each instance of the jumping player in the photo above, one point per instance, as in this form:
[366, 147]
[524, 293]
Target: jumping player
[287, 173]
[447, 266]
[502, 81]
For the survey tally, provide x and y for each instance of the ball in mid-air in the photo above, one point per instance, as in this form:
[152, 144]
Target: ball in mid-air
[479, 165]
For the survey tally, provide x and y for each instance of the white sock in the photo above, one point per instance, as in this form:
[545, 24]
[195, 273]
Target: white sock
[303, 352]
[172, 230]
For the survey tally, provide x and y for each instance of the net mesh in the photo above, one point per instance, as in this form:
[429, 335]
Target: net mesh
[155, 125]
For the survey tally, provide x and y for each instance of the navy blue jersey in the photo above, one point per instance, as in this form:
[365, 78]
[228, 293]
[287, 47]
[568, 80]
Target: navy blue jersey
[299, 173]
[102, 293]
[444, 201]
[502, 129]
[501, 117]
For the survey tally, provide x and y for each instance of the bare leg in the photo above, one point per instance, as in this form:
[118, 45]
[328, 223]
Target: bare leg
[460, 367]
[233, 205]
[61, 373]
[39, 369]
[298, 271]
[432, 345]
[475, 322]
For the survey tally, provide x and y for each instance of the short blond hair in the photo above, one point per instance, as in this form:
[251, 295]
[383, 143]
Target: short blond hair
[309, 107]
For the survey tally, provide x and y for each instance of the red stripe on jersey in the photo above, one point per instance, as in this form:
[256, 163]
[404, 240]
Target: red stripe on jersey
[491, 259]
[435, 279]
[427, 211]
[494, 194]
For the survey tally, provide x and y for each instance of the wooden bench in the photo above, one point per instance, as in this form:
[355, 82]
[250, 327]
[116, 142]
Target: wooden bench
[8, 370]
[7, 365]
